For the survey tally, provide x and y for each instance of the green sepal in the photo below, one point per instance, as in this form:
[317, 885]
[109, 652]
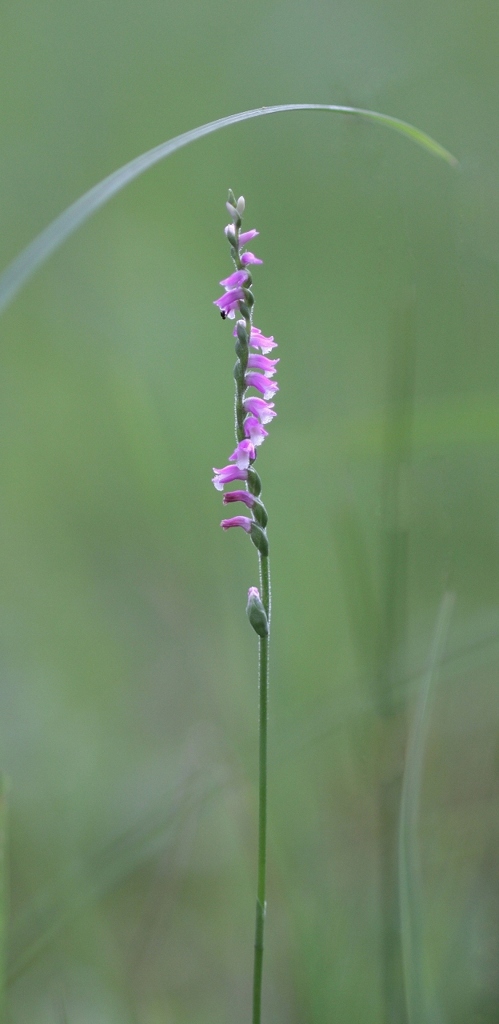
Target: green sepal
[231, 198]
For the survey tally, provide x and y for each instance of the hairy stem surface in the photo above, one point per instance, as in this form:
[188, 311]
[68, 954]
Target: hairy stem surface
[262, 796]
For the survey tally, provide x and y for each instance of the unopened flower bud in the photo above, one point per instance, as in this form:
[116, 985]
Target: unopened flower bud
[240, 205]
[232, 211]
[256, 612]
[230, 235]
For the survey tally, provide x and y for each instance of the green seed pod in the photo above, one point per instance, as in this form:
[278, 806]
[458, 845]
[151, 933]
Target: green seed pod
[242, 332]
[241, 345]
[256, 612]
[254, 482]
[239, 375]
[259, 538]
[242, 351]
[260, 514]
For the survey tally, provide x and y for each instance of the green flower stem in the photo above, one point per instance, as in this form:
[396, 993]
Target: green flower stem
[259, 538]
[262, 795]
[4, 897]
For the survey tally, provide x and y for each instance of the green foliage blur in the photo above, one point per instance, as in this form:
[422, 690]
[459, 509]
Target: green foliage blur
[128, 700]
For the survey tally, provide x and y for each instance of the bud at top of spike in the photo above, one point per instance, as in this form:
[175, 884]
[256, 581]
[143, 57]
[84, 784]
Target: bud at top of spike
[240, 205]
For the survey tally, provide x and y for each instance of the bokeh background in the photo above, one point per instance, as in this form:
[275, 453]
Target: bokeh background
[128, 701]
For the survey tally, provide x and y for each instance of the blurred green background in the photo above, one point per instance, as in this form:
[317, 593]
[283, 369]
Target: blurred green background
[128, 703]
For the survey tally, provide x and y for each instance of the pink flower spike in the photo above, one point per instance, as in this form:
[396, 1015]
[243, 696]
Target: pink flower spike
[258, 340]
[254, 430]
[267, 387]
[263, 410]
[243, 496]
[247, 236]
[227, 475]
[243, 455]
[262, 363]
[235, 280]
[249, 257]
[243, 521]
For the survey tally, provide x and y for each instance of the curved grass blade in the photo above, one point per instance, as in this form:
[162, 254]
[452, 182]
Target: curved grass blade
[52, 237]
[420, 1005]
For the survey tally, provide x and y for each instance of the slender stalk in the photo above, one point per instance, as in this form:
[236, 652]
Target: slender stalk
[393, 648]
[420, 998]
[262, 795]
[4, 901]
